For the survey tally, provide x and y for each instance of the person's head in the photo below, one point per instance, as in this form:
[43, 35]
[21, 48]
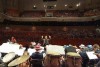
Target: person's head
[75, 47]
[96, 47]
[82, 46]
[33, 43]
[12, 37]
[89, 46]
[46, 37]
[38, 47]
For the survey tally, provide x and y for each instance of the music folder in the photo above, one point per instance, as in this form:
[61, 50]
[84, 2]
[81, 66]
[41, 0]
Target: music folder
[91, 55]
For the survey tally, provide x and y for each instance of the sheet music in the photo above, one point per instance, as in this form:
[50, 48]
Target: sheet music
[55, 49]
[91, 55]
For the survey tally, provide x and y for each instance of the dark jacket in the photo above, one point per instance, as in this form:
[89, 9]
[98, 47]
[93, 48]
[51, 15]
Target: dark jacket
[37, 59]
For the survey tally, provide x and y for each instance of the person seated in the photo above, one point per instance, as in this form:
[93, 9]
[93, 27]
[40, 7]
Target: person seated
[37, 57]
[13, 40]
[32, 44]
[84, 56]
[90, 47]
[96, 48]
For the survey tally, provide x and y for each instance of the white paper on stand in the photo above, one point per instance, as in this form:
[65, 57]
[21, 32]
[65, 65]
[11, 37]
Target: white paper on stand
[91, 55]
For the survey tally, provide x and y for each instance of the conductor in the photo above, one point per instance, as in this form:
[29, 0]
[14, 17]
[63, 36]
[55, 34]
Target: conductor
[46, 40]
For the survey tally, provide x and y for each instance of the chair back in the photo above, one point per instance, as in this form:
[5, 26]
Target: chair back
[36, 62]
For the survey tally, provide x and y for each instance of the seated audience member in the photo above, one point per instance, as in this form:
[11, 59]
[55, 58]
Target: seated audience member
[36, 58]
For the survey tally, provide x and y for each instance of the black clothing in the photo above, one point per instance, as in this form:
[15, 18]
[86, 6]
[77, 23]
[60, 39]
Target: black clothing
[98, 64]
[45, 42]
[37, 55]
[70, 49]
[37, 59]
[85, 59]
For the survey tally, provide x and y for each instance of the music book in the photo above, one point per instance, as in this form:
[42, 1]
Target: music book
[91, 55]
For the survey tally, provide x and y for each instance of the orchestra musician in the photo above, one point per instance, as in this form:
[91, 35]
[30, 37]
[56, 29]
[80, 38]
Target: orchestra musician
[32, 44]
[36, 57]
[13, 39]
[96, 48]
[84, 56]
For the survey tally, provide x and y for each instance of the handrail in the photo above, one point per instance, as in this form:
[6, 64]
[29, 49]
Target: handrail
[59, 19]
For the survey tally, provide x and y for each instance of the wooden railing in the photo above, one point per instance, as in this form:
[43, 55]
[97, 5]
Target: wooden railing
[59, 19]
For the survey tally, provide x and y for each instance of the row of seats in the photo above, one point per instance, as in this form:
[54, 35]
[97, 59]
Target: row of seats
[55, 13]
[55, 33]
[60, 38]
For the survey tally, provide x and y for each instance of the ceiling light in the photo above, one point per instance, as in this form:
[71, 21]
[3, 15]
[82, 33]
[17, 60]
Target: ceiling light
[55, 5]
[34, 6]
[65, 5]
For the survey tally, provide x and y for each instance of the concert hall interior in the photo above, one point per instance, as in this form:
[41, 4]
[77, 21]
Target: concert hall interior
[49, 33]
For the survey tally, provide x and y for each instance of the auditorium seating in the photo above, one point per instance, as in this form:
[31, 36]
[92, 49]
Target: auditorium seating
[12, 12]
[93, 12]
[75, 36]
[56, 13]
[32, 14]
[67, 13]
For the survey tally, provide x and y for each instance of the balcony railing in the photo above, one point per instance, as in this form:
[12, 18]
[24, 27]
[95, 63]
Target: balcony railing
[59, 19]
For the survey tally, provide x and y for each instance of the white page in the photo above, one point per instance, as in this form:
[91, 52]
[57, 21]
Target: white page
[91, 55]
